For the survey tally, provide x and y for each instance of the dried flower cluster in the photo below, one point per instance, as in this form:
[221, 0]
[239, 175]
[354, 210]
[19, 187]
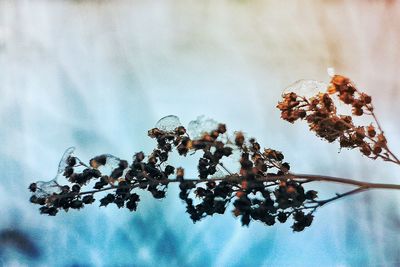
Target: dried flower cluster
[262, 189]
[320, 112]
[259, 191]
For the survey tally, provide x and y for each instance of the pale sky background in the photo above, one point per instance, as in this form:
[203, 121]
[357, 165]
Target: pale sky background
[98, 74]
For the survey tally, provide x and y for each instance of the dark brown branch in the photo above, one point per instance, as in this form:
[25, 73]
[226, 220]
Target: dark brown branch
[303, 178]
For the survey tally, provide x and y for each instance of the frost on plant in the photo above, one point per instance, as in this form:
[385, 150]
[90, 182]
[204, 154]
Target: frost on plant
[64, 160]
[256, 192]
[233, 171]
[201, 125]
[168, 123]
[106, 164]
[50, 187]
[321, 113]
[307, 88]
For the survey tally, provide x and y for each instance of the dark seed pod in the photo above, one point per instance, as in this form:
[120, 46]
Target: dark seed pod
[98, 161]
[71, 161]
[76, 188]
[88, 199]
[76, 204]
[180, 130]
[68, 171]
[221, 128]
[33, 187]
[169, 170]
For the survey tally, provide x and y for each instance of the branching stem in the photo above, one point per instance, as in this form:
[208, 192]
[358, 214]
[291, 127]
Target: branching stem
[361, 186]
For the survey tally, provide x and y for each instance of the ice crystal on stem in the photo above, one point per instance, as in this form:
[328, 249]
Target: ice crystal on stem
[201, 125]
[168, 123]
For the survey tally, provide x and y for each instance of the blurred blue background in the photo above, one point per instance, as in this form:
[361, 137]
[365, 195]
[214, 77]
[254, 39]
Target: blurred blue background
[98, 74]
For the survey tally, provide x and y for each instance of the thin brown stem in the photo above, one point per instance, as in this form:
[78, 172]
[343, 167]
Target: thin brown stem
[302, 178]
[320, 203]
[338, 196]
[371, 109]
[223, 167]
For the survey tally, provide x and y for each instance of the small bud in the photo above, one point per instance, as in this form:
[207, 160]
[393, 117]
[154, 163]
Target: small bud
[221, 128]
[139, 156]
[371, 131]
[311, 194]
[180, 173]
[366, 149]
[33, 187]
[71, 161]
[239, 139]
[377, 149]
[340, 80]
[76, 188]
[331, 89]
[169, 170]
[180, 130]
[358, 111]
[88, 199]
[282, 217]
[98, 161]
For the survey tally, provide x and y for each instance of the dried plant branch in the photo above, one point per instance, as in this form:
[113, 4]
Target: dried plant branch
[301, 178]
[264, 189]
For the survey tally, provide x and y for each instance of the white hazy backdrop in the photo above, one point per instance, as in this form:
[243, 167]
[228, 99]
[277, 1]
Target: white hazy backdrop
[98, 74]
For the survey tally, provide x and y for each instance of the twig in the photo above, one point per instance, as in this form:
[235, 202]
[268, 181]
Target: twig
[302, 178]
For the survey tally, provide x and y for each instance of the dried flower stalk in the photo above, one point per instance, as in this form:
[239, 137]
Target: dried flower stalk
[263, 189]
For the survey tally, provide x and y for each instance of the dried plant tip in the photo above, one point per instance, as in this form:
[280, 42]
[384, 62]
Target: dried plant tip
[154, 133]
[180, 130]
[331, 89]
[71, 161]
[366, 98]
[377, 149]
[180, 173]
[139, 157]
[358, 111]
[221, 128]
[371, 131]
[98, 161]
[311, 194]
[239, 139]
[33, 187]
[365, 149]
[340, 80]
